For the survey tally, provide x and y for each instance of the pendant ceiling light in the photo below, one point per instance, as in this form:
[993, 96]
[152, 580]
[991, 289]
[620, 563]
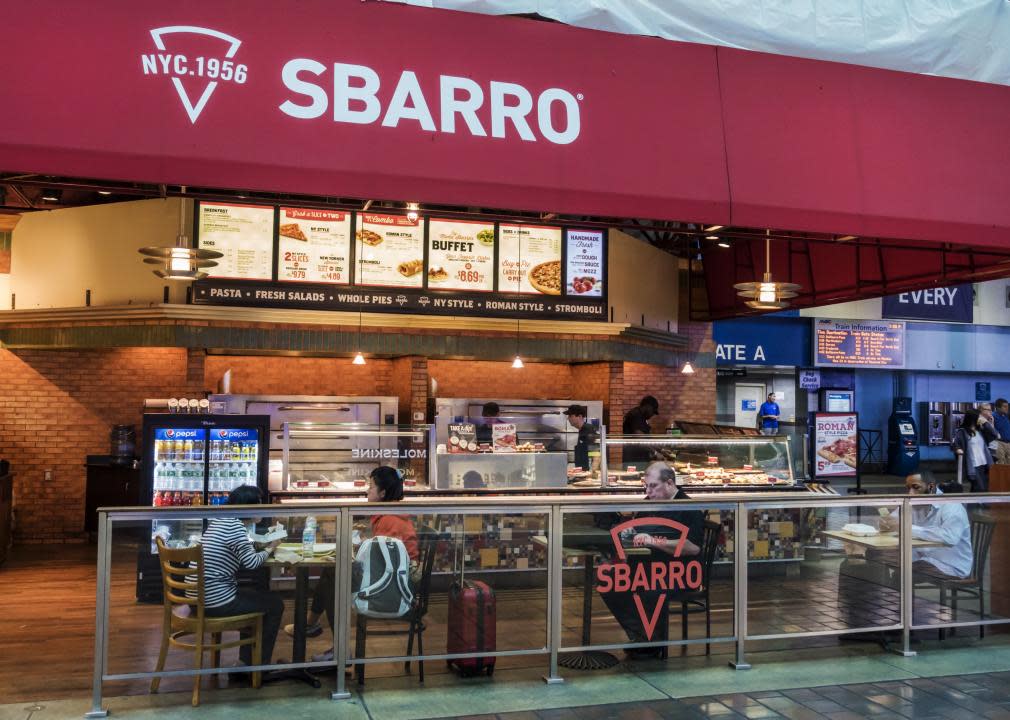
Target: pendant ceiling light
[181, 261]
[688, 368]
[767, 294]
[359, 359]
[517, 364]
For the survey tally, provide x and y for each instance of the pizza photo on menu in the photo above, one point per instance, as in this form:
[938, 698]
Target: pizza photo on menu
[546, 277]
[293, 231]
[369, 237]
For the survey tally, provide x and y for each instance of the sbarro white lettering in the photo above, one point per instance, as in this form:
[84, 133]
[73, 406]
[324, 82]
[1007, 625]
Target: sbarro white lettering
[355, 100]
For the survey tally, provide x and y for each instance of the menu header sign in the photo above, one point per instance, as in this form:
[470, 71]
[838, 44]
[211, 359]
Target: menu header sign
[390, 250]
[584, 268]
[529, 260]
[461, 255]
[856, 343]
[243, 233]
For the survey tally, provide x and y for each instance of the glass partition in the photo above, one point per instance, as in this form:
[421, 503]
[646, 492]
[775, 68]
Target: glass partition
[703, 463]
[960, 562]
[807, 576]
[642, 577]
[337, 457]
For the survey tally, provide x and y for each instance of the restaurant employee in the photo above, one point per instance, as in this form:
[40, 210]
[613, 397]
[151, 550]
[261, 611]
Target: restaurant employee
[769, 416]
[587, 434]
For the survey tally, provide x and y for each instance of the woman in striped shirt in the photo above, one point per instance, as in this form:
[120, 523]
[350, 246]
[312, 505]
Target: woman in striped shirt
[227, 549]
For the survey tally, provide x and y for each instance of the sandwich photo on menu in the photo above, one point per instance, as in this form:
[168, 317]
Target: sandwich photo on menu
[410, 268]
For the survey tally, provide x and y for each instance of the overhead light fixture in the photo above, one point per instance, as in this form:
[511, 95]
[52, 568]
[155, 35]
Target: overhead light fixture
[723, 244]
[181, 261]
[714, 228]
[518, 363]
[846, 238]
[688, 369]
[368, 204]
[359, 359]
[104, 192]
[412, 208]
[767, 294]
[711, 237]
[53, 195]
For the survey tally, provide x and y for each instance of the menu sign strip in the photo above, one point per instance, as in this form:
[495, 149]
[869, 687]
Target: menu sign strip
[389, 250]
[836, 444]
[584, 263]
[529, 259]
[848, 343]
[314, 246]
[243, 234]
[460, 255]
[328, 297]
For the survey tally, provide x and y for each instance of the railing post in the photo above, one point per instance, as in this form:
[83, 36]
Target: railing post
[740, 585]
[101, 617]
[342, 590]
[907, 588]
[554, 568]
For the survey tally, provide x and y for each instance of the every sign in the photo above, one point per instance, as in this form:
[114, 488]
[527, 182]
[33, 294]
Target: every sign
[950, 304]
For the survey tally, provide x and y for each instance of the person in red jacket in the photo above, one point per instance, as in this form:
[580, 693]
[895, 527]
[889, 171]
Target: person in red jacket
[384, 485]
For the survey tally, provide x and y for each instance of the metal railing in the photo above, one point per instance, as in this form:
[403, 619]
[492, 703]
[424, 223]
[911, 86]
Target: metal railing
[555, 512]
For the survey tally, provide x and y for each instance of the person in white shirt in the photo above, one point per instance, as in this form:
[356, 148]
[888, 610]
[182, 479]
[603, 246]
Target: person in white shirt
[945, 523]
[971, 449]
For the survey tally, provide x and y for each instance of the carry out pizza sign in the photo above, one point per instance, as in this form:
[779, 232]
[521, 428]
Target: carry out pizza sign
[836, 444]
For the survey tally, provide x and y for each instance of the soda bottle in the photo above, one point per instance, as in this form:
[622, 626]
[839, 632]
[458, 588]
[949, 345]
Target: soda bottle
[308, 538]
[244, 449]
[196, 499]
[187, 450]
[198, 450]
[157, 498]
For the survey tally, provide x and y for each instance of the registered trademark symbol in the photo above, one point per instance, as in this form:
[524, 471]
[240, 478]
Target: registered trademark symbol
[580, 96]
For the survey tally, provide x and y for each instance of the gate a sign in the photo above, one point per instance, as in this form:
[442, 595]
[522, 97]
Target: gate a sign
[658, 575]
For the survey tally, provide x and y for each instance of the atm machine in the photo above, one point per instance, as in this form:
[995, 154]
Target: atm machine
[902, 439]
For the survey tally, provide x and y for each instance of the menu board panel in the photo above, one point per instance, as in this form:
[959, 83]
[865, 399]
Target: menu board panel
[460, 255]
[390, 250]
[859, 343]
[314, 246]
[529, 259]
[584, 267]
[836, 444]
[244, 234]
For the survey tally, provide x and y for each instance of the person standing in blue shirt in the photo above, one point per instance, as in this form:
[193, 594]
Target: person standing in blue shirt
[1002, 423]
[768, 414]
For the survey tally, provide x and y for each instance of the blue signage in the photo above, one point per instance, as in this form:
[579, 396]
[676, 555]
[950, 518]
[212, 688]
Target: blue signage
[230, 434]
[859, 343]
[178, 434]
[949, 304]
[983, 391]
[749, 405]
[762, 341]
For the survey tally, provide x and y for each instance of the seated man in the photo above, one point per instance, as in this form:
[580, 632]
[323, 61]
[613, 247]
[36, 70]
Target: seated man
[662, 541]
[945, 523]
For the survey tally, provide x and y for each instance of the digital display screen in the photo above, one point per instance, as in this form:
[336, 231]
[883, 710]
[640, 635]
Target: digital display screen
[848, 343]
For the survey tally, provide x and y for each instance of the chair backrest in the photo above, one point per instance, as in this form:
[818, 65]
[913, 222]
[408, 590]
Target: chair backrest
[428, 541]
[709, 544]
[182, 576]
[982, 526]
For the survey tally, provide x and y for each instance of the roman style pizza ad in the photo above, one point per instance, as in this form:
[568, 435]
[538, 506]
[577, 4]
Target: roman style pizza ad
[584, 271]
[529, 259]
[836, 444]
[390, 250]
[244, 234]
[460, 255]
[314, 246]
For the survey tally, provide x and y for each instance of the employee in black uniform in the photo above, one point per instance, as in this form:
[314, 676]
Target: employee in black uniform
[636, 422]
[587, 434]
[483, 430]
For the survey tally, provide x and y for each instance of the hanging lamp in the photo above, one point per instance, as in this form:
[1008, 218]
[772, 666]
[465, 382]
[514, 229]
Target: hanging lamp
[688, 368]
[181, 261]
[517, 364]
[767, 294]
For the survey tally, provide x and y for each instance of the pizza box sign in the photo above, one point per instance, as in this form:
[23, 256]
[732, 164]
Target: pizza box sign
[462, 438]
[503, 435]
[836, 444]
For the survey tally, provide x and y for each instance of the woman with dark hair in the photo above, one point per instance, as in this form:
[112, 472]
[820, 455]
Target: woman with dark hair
[971, 448]
[384, 485]
[226, 550]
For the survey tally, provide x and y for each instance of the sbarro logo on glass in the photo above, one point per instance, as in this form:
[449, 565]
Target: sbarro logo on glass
[194, 74]
[663, 576]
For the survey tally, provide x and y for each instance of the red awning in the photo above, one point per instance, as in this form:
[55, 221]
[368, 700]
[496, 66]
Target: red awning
[344, 98]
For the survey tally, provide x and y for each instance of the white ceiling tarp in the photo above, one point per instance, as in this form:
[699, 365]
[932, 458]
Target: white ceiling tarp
[968, 39]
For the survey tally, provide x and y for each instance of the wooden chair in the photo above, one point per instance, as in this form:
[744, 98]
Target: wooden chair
[982, 527]
[698, 601]
[428, 540]
[182, 572]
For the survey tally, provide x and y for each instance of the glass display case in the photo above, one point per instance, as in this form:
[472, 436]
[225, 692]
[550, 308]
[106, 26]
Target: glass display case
[702, 463]
[322, 458]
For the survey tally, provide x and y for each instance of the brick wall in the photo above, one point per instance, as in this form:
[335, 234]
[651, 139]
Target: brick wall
[255, 375]
[479, 378]
[57, 406]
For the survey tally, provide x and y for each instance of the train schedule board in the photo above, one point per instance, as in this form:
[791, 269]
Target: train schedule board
[859, 343]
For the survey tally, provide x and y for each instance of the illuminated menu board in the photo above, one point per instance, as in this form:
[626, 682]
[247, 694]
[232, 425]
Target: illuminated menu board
[314, 246]
[859, 343]
[244, 234]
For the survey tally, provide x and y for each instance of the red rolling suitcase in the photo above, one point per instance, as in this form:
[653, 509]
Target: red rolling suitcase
[472, 618]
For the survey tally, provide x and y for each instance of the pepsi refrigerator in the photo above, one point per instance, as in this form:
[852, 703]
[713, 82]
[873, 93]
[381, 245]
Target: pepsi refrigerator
[195, 460]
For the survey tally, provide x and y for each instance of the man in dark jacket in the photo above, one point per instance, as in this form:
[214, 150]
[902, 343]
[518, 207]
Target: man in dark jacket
[636, 422]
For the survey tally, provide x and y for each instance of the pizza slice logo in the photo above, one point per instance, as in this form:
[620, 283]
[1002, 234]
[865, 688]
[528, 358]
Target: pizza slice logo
[665, 576]
[198, 61]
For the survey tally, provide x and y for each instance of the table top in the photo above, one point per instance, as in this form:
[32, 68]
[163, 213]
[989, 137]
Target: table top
[296, 548]
[586, 552]
[884, 541]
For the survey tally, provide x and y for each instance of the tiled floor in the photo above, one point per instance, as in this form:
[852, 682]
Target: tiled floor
[953, 697]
